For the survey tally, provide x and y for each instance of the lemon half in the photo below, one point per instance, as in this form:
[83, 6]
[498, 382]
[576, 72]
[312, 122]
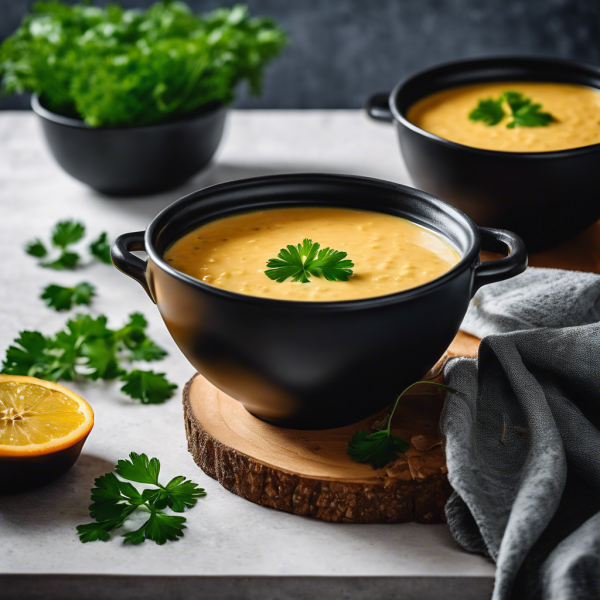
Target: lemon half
[43, 426]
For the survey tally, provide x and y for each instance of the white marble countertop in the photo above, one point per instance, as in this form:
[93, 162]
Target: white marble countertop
[227, 537]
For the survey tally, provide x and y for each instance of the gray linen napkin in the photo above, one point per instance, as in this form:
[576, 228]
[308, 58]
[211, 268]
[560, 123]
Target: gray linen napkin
[522, 436]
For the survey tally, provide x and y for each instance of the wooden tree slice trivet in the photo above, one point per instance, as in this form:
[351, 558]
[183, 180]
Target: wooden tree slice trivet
[310, 472]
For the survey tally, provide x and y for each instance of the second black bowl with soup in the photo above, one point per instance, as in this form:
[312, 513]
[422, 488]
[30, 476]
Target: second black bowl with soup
[305, 364]
[545, 197]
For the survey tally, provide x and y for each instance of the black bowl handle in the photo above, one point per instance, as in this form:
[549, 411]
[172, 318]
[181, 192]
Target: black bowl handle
[497, 240]
[120, 253]
[378, 107]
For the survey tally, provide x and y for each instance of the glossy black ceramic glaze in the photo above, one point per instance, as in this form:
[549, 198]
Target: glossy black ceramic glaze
[311, 365]
[545, 197]
[133, 160]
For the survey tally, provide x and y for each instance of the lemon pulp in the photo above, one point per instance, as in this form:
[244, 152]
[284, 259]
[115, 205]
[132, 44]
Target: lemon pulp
[31, 414]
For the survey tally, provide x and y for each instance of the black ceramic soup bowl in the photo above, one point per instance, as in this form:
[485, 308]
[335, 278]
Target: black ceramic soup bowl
[130, 161]
[545, 197]
[311, 365]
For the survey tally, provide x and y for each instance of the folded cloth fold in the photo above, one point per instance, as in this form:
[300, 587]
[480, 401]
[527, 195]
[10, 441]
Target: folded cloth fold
[535, 298]
[522, 436]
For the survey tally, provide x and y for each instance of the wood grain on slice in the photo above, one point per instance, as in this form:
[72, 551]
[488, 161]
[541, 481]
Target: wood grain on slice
[310, 472]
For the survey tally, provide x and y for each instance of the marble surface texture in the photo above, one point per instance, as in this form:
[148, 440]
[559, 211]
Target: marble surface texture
[227, 537]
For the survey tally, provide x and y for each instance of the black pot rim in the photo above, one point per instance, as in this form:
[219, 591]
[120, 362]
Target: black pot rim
[559, 62]
[201, 113]
[467, 260]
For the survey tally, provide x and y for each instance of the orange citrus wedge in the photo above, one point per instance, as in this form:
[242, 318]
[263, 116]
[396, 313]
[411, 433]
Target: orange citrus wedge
[43, 426]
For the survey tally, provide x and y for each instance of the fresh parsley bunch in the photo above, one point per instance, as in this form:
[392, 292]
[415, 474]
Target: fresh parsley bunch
[115, 500]
[87, 348]
[116, 67]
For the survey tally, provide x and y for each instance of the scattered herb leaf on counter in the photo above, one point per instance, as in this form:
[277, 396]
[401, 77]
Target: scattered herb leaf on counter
[67, 233]
[147, 386]
[64, 298]
[113, 67]
[64, 235]
[67, 260]
[522, 110]
[305, 259]
[100, 248]
[381, 447]
[87, 348]
[36, 248]
[114, 500]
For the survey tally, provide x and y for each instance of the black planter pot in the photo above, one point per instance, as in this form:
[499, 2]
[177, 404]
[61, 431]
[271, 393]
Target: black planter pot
[133, 160]
[545, 197]
[311, 365]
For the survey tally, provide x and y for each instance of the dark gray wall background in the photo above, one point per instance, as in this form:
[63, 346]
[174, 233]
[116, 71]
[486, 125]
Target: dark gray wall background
[343, 50]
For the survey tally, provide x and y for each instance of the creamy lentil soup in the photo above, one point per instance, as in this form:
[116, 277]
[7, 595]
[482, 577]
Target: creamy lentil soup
[576, 109]
[389, 253]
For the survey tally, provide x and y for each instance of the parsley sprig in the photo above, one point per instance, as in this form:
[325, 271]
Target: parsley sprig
[59, 255]
[306, 259]
[115, 500]
[523, 112]
[59, 297]
[381, 447]
[87, 348]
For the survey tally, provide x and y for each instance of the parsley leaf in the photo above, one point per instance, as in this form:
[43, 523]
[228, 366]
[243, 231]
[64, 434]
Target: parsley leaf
[109, 506]
[139, 468]
[92, 532]
[36, 248]
[114, 500]
[181, 493]
[515, 100]
[100, 248]
[147, 351]
[67, 260]
[27, 356]
[66, 233]
[522, 111]
[378, 448]
[101, 361]
[159, 528]
[305, 259]
[88, 348]
[488, 111]
[63, 298]
[133, 337]
[147, 386]
[381, 447]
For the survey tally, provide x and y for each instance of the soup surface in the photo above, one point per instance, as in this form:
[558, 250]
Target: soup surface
[576, 110]
[390, 254]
